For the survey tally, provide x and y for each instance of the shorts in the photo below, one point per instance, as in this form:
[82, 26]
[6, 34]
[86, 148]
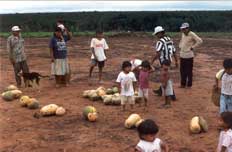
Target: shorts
[100, 64]
[143, 93]
[225, 103]
[127, 99]
[169, 89]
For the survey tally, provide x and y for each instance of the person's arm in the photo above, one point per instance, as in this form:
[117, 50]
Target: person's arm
[9, 50]
[152, 69]
[176, 59]
[93, 52]
[51, 55]
[164, 147]
[69, 34]
[156, 56]
[106, 47]
[197, 39]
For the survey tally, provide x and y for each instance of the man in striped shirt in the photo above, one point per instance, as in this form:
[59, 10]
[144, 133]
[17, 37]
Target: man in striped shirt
[164, 47]
[164, 51]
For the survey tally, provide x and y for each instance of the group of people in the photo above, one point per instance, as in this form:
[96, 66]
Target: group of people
[133, 71]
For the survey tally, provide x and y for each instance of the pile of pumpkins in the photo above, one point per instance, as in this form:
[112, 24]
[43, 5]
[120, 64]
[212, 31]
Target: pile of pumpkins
[133, 121]
[31, 103]
[198, 124]
[11, 93]
[90, 113]
[109, 96]
[52, 109]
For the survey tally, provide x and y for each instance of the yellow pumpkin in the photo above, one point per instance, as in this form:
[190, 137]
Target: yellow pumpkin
[10, 87]
[132, 120]
[139, 122]
[194, 125]
[86, 93]
[101, 92]
[60, 111]
[49, 110]
[100, 88]
[203, 124]
[92, 116]
[24, 100]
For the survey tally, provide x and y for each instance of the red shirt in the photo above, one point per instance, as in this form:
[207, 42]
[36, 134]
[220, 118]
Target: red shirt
[143, 79]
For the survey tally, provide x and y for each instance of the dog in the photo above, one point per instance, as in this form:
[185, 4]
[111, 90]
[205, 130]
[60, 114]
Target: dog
[31, 78]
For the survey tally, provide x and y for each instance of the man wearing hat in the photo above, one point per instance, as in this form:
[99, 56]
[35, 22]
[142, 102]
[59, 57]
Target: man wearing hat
[189, 41]
[15, 48]
[164, 51]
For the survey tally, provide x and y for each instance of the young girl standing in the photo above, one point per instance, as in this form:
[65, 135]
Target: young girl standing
[127, 81]
[225, 138]
[144, 81]
[148, 142]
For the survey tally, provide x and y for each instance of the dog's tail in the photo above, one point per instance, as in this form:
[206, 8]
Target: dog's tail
[44, 76]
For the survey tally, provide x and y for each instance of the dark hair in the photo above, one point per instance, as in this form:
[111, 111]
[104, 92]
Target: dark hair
[99, 31]
[60, 21]
[166, 62]
[126, 64]
[227, 63]
[146, 64]
[227, 118]
[58, 29]
[147, 127]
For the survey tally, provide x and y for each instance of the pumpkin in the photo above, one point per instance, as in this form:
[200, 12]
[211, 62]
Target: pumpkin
[100, 88]
[49, 110]
[203, 124]
[101, 92]
[8, 96]
[132, 120]
[10, 87]
[91, 93]
[194, 125]
[16, 93]
[87, 110]
[86, 93]
[116, 100]
[24, 100]
[115, 90]
[92, 116]
[107, 99]
[33, 103]
[60, 111]
[109, 91]
[219, 74]
[139, 122]
[94, 97]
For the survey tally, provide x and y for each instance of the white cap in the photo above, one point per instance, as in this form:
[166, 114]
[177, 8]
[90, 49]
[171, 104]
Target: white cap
[135, 63]
[158, 29]
[15, 29]
[61, 26]
[184, 25]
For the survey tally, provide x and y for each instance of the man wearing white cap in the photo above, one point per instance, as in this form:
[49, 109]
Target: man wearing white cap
[189, 41]
[15, 48]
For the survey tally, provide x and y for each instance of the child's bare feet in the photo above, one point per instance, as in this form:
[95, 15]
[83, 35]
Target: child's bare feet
[166, 106]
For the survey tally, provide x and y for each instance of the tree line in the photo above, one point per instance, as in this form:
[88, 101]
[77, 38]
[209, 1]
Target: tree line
[200, 21]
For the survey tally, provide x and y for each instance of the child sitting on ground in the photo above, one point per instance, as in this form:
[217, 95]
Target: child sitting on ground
[225, 138]
[144, 72]
[148, 142]
[127, 81]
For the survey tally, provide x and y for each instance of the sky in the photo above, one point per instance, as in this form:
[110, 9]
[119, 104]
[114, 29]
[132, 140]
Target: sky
[77, 6]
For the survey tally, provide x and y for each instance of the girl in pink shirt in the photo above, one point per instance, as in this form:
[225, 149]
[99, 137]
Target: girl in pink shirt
[144, 73]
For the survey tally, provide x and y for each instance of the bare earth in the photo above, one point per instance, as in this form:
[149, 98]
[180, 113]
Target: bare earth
[21, 132]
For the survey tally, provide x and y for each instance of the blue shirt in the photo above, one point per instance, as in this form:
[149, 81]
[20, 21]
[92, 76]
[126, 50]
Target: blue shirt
[59, 47]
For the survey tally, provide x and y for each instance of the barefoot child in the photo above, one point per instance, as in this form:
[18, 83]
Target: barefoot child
[148, 142]
[127, 81]
[98, 46]
[166, 84]
[144, 81]
[226, 89]
[225, 138]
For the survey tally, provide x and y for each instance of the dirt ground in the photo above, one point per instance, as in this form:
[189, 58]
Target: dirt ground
[21, 132]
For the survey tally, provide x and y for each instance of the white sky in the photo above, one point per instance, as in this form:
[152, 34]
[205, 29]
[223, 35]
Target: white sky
[73, 6]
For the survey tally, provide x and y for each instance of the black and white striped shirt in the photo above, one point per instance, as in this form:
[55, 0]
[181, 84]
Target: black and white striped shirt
[166, 48]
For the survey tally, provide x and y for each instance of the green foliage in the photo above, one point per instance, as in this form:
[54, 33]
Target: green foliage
[200, 21]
